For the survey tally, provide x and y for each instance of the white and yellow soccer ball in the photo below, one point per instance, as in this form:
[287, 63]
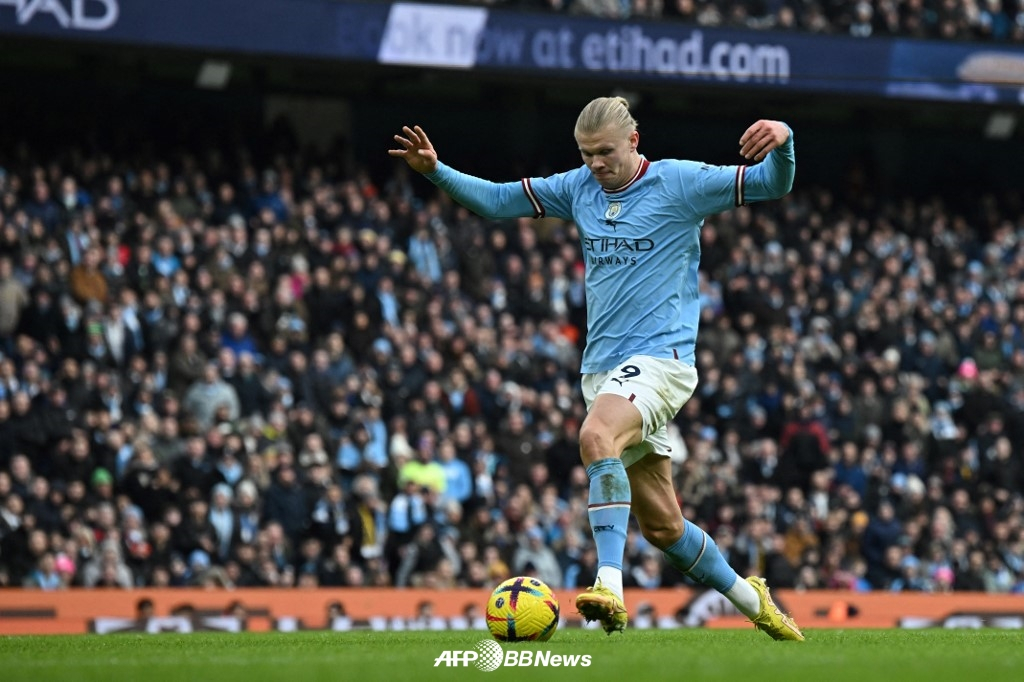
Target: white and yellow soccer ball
[522, 609]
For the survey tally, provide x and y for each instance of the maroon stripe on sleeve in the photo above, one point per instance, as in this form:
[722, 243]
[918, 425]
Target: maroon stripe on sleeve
[741, 176]
[538, 208]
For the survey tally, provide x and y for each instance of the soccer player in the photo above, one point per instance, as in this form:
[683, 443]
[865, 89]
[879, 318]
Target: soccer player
[639, 223]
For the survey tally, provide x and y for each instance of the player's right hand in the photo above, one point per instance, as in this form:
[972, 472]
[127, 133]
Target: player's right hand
[416, 150]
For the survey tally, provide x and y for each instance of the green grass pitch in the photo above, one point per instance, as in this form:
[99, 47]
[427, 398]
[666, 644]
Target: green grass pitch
[637, 656]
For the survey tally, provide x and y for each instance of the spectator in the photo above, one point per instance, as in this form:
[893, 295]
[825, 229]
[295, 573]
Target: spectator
[333, 521]
[107, 569]
[222, 519]
[13, 300]
[533, 557]
[424, 256]
[882, 533]
[42, 208]
[424, 471]
[804, 444]
[458, 477]
[237, 337]
[88, 284]
[187, 365]
[194, 471]
[286, 503]
[211, 397]
[45, 576]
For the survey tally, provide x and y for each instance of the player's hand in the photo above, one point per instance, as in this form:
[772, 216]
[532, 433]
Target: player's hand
[761, 138]
[416, 150]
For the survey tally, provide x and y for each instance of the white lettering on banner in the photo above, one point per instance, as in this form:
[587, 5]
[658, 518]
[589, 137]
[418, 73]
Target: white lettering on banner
[553, 49]
[425, 35]
[458, 37]
[629, 49]
[501, 47]
[83, 15]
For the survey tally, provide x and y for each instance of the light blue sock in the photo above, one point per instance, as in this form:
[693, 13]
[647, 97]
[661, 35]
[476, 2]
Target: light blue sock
[609, 510]
[697, 555]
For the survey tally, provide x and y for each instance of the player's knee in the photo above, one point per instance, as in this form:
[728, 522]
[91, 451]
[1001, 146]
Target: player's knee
[663, 534]
[595, 443]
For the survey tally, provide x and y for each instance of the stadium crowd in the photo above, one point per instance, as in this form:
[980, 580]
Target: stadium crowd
[980, 20]
[292, 376]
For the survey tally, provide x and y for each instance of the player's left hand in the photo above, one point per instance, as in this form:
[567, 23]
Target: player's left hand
[761, 138]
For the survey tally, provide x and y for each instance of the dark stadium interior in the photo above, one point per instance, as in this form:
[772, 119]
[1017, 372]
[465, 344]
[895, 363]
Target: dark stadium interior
[124, 98]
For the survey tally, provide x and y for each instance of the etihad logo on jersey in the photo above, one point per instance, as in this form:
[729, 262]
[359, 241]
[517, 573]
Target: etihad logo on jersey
[615, 250]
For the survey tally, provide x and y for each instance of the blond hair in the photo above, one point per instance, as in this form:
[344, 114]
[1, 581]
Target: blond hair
[603, 112]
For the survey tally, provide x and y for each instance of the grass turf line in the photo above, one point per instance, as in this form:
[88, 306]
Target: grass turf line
[638, 656]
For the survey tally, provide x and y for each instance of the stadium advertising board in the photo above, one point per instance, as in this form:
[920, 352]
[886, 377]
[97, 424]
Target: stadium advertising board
[75, 15]
[957, 72]
[461, 37]
[261, 609]
[470, 37]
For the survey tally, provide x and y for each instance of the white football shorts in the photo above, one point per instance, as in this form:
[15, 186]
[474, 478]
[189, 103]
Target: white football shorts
[658, 387]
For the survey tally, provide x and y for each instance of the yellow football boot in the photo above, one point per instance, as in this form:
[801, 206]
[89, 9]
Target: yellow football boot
[771, 619]
[601, 604]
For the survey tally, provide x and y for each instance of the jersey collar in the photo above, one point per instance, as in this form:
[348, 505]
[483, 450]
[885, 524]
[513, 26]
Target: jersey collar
[640, 171]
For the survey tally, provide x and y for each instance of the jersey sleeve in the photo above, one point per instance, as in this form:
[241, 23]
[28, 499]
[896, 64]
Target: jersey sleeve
[552, 196]
[713, 189]
[483, 197]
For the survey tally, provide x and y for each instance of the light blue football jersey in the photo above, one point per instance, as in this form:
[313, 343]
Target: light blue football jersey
[641, 242]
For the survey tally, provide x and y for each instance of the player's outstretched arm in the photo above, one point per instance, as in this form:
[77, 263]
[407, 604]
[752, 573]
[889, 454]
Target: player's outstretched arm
[489, 199]
[416, 149]
[769, 175]
[772, 143]
[763, 137]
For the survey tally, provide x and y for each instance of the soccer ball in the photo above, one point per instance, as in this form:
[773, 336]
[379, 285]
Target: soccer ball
[522, 609]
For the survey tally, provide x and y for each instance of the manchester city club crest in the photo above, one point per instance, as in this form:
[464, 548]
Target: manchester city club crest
[614, 209]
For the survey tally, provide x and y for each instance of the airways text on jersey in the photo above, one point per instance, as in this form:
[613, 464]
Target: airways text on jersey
[615, 250]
